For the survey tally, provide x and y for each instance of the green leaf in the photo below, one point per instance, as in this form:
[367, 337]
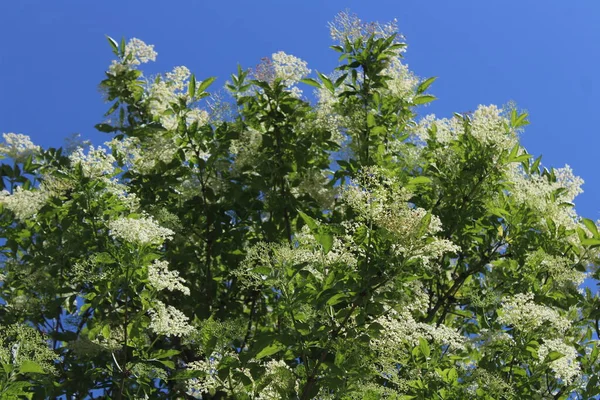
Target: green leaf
[113, 44]
[553, 356]
[423, 86]
[326, 240]
[327, 82]
[164, 354]
[205, 84]
[370, 120]
[312, 224]
[269, 350]
[591, 225]
[311, 82]
[31, 367]
[423, 99]
[424, 347]
[192, 86]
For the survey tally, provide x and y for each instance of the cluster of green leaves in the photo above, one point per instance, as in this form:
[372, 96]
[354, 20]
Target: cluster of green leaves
[276, 276]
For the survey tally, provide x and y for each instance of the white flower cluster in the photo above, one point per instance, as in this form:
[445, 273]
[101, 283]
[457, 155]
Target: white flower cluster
[488, 125]
[140, 231]
[168, 90]
[346, 26]
[565, 368]
[24, 203]
[402, 328]
[17, 146]
[136, 52]
[169, 321]
[402, 83]
[280, 378]
[160, 277]
[97, 163]
[561, 269]
[142, 159]
[383, 201]
[246, 150]
[288, 68]
[210, 380]
[545, 197]
[522, 313]
[314, 183]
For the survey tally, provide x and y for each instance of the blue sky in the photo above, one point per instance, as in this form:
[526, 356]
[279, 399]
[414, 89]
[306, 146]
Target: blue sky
[542, 54]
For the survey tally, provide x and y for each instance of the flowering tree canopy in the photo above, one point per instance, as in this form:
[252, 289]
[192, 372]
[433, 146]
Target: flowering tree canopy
[312, 238]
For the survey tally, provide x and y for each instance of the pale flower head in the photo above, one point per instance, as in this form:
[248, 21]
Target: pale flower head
[136, 52]
[169, 321]
[566, 367]
[288, 68]
[160, 277]
[142, 231]
[24, 203]
[17, 146]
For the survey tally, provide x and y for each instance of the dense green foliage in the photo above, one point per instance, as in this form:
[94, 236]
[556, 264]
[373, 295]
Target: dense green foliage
[277, 247]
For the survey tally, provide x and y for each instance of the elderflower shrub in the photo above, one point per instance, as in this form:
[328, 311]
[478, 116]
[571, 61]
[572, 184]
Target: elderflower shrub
[410, 271]
[168, 321]
[565, 367]
[141, 231]
[17, 147]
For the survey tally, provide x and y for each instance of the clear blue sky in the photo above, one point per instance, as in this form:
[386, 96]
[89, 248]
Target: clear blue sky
[542, 54]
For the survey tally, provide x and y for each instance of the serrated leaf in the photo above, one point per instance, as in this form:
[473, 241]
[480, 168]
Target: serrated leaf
[31, 367]
[311, 222]
[192, 86]
[311, 82]
[591, 225]
[423, 99]
[423, 86]
[270, 350]
[113, 44]
[205, 84]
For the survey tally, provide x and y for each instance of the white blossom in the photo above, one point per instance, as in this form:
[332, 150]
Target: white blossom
[346, 26]
[139, 231]
[24, 203]
[160, 277]
[522, 313]
[169, 321]
[96, 163]
[136, 52]
[288, 68]
[565, 368]
[17, 146]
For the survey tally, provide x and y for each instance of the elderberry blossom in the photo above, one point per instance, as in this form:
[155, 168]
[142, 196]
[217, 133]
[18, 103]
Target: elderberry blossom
[96, 163]
[160, 277]
[346, 26]
[169, 321]
[142, 231]
[288, 68]
[547, 198]
[566, 367]
[523, 314]
[136, 52]
[17, 146]
[24, 203]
